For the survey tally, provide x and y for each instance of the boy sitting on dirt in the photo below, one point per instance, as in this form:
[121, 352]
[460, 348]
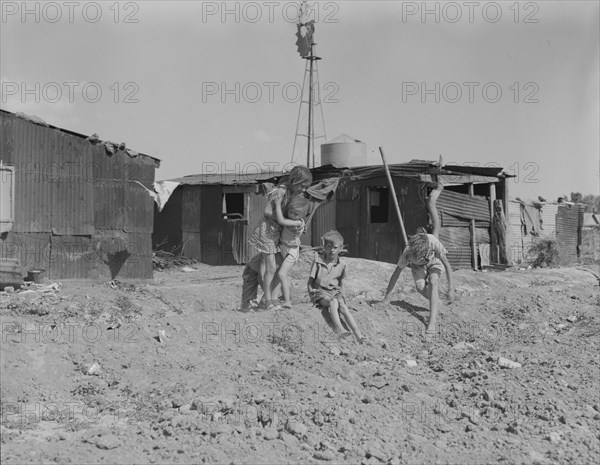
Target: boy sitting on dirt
[325, 284]
[425, 255]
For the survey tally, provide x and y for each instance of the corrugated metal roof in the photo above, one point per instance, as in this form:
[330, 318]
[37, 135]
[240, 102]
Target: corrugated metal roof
[227, 178]
[67, 131]
[477, 170]
[413, 169]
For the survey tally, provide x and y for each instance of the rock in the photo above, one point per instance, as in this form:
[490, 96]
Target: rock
[288, 439]
[110, 441]
[324, 455]
[537, 457]
[488, 395]
[553, 437]
[373, 451]
[296, 428]
[270, 433]
[223, 428]
[506, 363]
[368, 398]
[572, 319]
[331, 394]
[335, 351]
[9, 289]
[411, 363]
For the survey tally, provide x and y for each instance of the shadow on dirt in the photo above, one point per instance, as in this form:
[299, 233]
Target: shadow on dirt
[412, 310]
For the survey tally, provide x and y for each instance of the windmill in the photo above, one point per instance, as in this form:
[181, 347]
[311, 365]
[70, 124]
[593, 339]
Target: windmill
[307, 129]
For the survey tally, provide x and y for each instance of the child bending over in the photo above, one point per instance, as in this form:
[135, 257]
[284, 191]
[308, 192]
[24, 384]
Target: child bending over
[426, 257]
[289, 241]
[325, 284]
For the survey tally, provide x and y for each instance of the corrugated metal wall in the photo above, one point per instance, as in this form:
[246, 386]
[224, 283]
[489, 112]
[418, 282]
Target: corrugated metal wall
[569, 219]
[323, 221]
[456, 211]
[515, 240]
[68, 193]
[548, 217]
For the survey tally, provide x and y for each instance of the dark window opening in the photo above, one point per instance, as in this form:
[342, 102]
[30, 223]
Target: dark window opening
[233, 206]
[378, 204]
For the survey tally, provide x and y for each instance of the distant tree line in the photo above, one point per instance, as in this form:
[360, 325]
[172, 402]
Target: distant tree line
[591, 201]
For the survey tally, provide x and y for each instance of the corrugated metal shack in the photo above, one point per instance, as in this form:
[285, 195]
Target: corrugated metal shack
[80, 211]
[529, 222]
[209, 217]
[363, 211]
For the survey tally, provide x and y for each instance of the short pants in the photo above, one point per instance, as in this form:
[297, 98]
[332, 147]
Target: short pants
[289, 254]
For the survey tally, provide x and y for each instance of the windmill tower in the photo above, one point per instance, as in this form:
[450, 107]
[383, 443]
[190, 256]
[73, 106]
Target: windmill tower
[310, 126]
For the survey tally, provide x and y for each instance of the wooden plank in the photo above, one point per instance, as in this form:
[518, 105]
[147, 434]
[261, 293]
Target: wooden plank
[473, 235]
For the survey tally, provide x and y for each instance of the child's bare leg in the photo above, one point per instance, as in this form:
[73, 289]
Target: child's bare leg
[422, 288]
[270, 268]
[282, 275]
[276, 286]
[345, 311]
[335, 316]
[434, 302]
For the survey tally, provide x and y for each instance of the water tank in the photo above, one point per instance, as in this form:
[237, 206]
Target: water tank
[344, 152]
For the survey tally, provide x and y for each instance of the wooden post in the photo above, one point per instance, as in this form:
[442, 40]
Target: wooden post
[389, 178]
[473, 234]
[493, 242]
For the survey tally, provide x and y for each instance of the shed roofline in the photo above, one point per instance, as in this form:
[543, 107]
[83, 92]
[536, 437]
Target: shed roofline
[76, 134]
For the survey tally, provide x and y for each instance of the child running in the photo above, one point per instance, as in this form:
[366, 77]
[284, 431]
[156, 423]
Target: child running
[289, 242]
[325, 284]
[425, 255]
[265, 237]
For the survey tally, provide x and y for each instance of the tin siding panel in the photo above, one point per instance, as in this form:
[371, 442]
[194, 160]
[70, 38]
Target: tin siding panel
[139, 209]
[191, 208]
[192, 245]
[464, 206]
[211, 221]
[72, 192]
[515, 232]
[457, 242]
[31, 249]
[70, 257]
[323, 220]
[548, 216]
[567, 228]
[33, 148]
[109, 205]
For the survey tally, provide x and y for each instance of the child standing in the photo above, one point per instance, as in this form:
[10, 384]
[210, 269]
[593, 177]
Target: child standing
[425, 255]
[289, 242]
[251, 280]
[325, 284]
[265, 237]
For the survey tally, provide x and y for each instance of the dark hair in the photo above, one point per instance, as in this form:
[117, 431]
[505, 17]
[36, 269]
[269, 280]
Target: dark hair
[297, 207]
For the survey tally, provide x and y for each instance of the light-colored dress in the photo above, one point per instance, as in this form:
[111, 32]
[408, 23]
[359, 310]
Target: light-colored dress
[265, 237]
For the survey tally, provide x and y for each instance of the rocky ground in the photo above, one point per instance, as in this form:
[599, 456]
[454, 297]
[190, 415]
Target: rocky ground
[168, 372]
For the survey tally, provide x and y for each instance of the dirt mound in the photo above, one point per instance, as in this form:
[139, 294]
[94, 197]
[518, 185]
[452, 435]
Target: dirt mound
[168, 372]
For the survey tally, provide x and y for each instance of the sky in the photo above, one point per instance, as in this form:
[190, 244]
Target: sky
[216, 86]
